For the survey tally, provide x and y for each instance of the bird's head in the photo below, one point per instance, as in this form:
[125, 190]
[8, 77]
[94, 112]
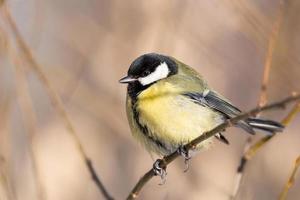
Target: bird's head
[150, 68]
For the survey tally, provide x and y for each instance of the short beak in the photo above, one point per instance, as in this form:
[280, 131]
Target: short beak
[127, 79]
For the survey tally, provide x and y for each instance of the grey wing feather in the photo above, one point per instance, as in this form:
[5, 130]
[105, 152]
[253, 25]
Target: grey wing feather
[214, 101]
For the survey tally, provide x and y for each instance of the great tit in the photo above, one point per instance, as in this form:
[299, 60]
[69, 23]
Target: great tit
[169, 104]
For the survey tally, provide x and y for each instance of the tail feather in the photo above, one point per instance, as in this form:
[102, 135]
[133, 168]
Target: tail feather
[265, 125]
[247, 127]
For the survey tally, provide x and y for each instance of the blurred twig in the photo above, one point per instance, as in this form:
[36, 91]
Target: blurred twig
[253, 149]
[291, 115]
[8, 189]
[251, 17]
[55, 99]
[269, 57]
[168, 159]
[290, 181]
[250, 150]
[4, 193]
[29, 120]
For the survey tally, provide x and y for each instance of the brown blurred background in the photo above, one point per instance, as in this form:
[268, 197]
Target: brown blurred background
[84, 47]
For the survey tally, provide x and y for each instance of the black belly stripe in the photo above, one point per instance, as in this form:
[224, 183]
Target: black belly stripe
[134, 90]
[144, 129]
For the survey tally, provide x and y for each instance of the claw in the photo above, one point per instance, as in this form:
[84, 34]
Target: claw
[187, 165]
[160, 171]
[186, 155]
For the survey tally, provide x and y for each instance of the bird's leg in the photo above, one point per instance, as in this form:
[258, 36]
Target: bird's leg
[186, 155]
[160, 171]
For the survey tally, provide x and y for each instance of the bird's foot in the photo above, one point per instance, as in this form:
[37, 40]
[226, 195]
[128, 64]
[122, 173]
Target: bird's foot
[160, 171]
[186, 155]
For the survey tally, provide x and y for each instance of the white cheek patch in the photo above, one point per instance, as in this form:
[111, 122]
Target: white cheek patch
[160, 72]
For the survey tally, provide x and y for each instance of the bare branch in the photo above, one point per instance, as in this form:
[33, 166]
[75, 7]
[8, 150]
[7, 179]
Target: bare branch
[29, 120]
[290, 181]
[291, 115]
[26, 54]
[253, 149]
[168, 159]
[249, 150]
[6, 190]
[269, 57]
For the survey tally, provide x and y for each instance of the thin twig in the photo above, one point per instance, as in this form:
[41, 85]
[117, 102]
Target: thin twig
[249, 150]
[25, 103]
[291, 115]
[5, 178]
[6, 192]
[239, 174]
[168, 159]
[290, 181]
[253, 149]
[55, 99]
[269, 57]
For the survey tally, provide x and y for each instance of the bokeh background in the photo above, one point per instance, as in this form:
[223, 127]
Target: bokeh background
[84, 47]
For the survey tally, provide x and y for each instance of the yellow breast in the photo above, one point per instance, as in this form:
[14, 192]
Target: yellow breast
[172, 117]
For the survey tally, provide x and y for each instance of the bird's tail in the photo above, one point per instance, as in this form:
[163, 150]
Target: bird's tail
[261, 124]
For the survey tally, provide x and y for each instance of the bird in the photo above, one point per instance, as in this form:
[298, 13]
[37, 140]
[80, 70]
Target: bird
[169, 104]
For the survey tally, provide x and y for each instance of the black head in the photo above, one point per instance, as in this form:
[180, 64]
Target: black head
[150, 68]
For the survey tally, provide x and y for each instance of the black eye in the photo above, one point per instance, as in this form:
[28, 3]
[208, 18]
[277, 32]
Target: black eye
[146, 73]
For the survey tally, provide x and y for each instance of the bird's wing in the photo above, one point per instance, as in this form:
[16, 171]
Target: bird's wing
[212, 100]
